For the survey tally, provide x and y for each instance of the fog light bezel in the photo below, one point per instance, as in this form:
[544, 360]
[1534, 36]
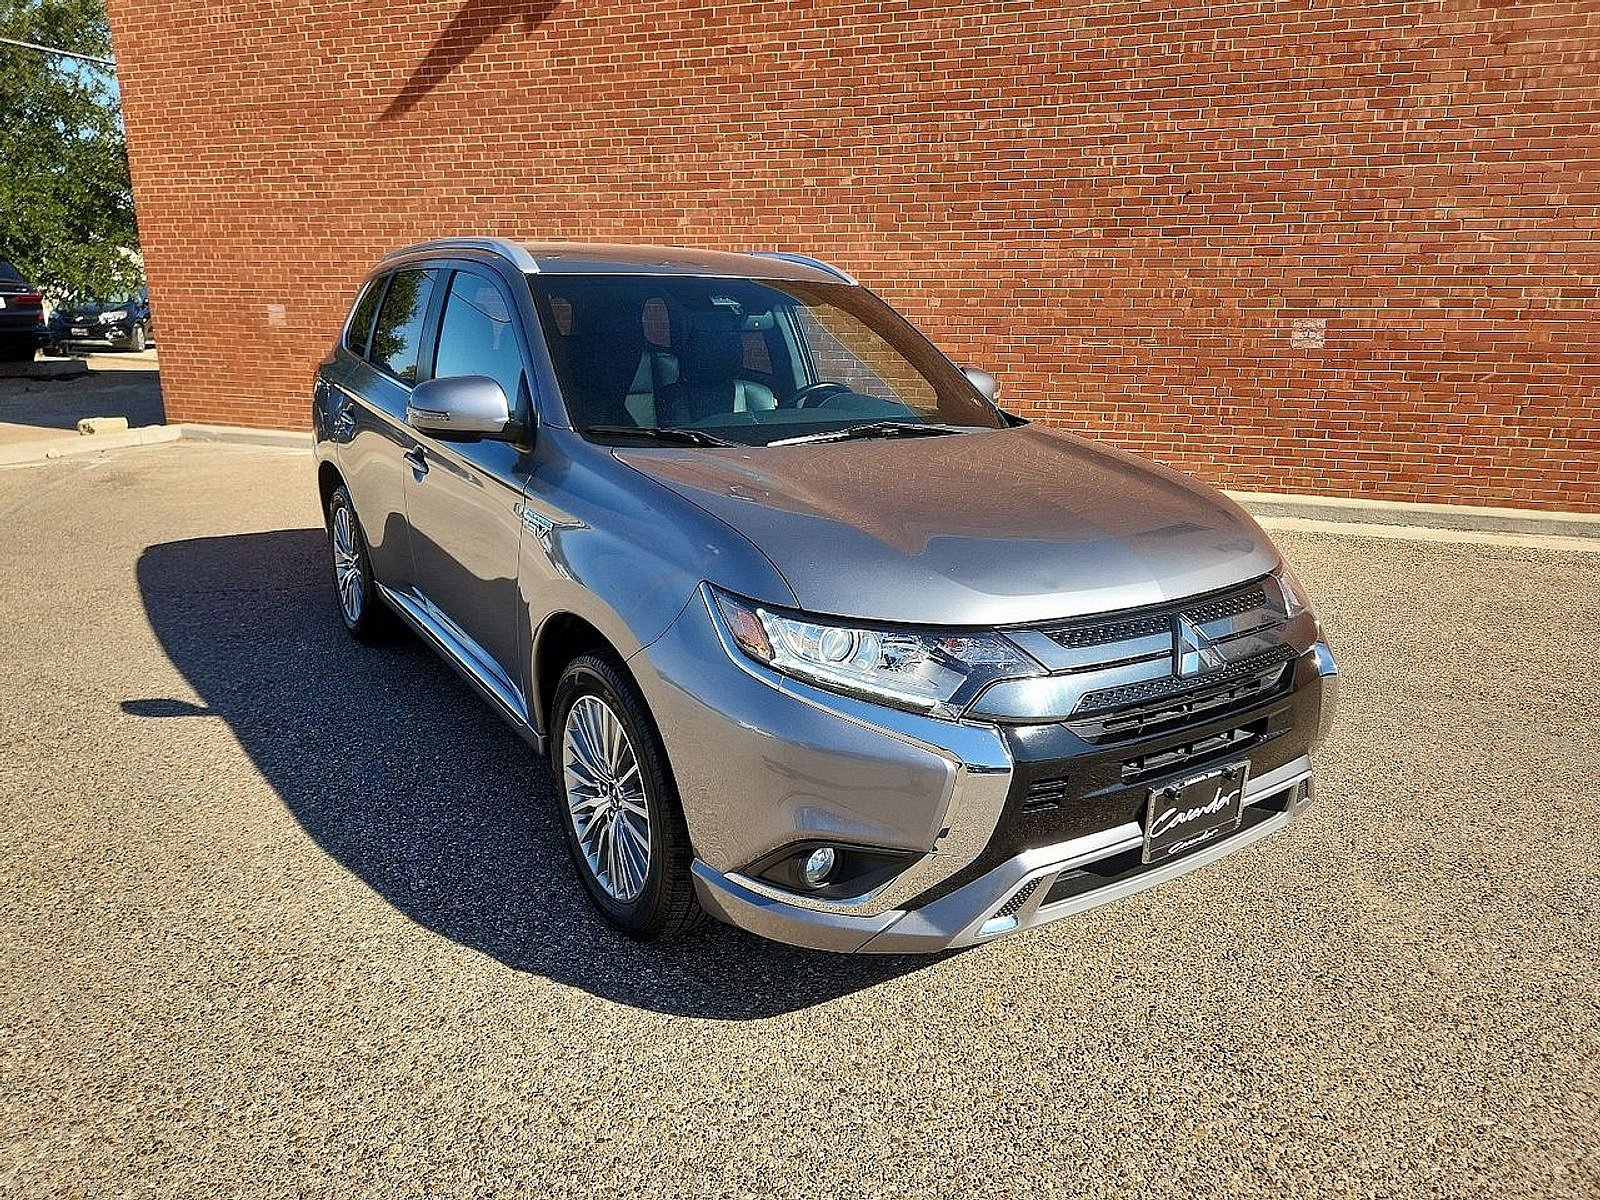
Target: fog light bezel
[857, 871]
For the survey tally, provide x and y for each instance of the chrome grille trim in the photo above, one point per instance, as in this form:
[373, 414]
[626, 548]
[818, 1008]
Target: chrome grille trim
[1149, 656]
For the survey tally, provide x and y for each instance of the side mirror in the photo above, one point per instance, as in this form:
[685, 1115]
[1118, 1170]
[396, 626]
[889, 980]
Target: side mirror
[461, 406]
[983, 381]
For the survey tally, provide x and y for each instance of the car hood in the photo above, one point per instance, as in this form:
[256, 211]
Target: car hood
[992, 528]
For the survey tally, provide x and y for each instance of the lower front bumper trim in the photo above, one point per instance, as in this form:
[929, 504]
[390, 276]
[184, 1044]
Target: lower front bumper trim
[1011, 897]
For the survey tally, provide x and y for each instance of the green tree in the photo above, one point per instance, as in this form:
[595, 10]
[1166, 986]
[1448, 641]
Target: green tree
[66, 207]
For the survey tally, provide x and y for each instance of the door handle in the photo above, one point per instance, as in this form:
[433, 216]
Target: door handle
[419, 463]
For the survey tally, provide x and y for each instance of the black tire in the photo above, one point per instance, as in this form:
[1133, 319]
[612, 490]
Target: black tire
[363, 611]
[666, 903]
[17, 351]
[136, 339]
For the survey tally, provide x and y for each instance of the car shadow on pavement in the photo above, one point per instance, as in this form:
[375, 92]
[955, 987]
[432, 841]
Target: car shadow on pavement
[400, 772]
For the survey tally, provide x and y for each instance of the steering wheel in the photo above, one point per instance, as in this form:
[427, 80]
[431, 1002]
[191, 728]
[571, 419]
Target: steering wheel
[817, 395]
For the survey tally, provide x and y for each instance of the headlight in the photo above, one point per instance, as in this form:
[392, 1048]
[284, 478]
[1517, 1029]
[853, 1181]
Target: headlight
[1296, 599]
[116, 314]
[928, 672]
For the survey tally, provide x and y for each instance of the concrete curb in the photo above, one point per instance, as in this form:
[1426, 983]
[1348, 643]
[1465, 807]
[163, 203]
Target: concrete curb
[244, 436]
[1346, 510]
[79, 444]
[1433, 533]
[46, 369]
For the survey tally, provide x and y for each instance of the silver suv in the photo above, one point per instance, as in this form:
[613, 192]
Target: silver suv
[818, 639]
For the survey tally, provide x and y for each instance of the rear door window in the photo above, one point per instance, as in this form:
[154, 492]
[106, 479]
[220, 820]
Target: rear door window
[397, 337]
[476, 336]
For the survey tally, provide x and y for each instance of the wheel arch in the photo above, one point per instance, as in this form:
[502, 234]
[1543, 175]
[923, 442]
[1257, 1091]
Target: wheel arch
[328, 481]
[562, 637]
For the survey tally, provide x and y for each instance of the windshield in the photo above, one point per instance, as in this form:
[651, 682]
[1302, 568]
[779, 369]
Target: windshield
[749, 361]
[113, 300]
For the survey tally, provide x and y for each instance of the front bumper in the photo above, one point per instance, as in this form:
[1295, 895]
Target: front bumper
[763, 761]
[119, 334]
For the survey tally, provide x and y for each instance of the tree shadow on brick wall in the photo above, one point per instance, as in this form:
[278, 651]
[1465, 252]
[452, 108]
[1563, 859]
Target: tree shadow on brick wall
[476, 23]
[397, 770]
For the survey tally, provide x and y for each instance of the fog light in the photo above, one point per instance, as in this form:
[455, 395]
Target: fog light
[818, 866]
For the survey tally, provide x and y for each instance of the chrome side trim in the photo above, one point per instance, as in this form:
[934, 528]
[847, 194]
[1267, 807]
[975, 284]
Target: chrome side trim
[466, 656]
[1187, 644]
[805, 260]
[1077, 658]
[979, 776]
[1056, 697]
[513, 252]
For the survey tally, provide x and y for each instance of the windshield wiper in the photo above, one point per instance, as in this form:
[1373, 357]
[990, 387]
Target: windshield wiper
[660, 433]
[873, 429]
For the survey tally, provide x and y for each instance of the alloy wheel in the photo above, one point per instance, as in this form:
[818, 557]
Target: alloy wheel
[347, 565]
[606, 801]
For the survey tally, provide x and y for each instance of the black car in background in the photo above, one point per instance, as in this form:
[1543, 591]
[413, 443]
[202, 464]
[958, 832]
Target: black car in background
[121, 321]
[22, 328]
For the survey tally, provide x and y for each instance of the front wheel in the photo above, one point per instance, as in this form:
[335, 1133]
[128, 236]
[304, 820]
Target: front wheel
[619, 808]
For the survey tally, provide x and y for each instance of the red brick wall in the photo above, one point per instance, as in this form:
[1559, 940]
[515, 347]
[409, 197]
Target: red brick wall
[1125, 210]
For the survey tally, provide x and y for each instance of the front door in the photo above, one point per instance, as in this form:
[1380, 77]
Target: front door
[463, 498]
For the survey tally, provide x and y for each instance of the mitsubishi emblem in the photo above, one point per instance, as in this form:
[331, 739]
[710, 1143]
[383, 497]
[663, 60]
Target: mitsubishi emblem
[1194, 653]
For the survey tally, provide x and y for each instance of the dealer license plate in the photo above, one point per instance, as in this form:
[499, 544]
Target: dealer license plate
[1194, 812]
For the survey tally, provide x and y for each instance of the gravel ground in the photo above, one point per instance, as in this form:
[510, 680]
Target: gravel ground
[284, 916]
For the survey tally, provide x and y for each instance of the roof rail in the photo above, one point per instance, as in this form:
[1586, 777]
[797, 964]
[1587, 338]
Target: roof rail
[515, 253]
[805, 260]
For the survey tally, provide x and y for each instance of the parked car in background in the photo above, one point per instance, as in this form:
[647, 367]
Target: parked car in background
[819, 639]
[22, 328]
[120, 321]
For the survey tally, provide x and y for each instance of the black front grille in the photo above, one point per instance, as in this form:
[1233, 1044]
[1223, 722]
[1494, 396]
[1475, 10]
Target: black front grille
[1075, 637]
[1157, 705]
[1226, 744]
[1065, 786]
[1228, 606]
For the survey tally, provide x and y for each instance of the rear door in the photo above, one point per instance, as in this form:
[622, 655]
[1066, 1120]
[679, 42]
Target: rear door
[464, 505]
[377, 450]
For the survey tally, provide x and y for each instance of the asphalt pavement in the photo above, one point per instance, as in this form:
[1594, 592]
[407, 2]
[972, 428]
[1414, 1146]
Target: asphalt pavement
[281, 915]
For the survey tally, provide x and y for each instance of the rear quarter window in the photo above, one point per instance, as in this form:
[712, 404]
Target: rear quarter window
[359, 327]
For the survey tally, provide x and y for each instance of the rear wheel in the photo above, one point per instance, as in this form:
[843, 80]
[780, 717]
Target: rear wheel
[363, 613]
[16, 351]
[619, 807]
